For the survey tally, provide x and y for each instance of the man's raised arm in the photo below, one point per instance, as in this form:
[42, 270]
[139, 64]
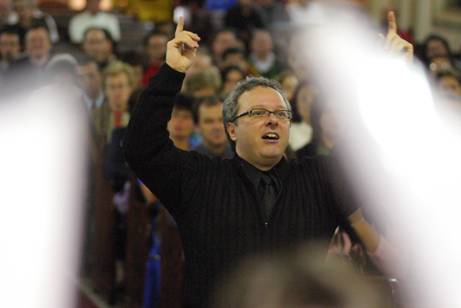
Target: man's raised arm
[147, 146]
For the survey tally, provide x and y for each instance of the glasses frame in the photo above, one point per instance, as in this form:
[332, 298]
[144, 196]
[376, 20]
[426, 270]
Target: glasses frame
[268, 113]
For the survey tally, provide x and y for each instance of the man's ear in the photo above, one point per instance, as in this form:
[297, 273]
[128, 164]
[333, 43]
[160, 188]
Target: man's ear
[231, 131]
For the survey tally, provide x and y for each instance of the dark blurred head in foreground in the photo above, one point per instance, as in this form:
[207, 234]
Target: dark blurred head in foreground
[301, 279]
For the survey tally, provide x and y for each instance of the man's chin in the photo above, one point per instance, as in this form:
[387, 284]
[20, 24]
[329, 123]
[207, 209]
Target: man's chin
[273, 156]
[218, 143]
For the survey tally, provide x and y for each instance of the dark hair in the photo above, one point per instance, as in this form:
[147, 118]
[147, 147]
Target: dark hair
[106, 32]
[84, 59]
[14, 30]
[208, 101]
[39, 24]
[132, 57]
[145, 40]
[215, 35]
[435, 37]
[294, 99]
[183, 102]
[10, 29]
[447, 74]
[228, 69]
[231, 51]
[297, 278]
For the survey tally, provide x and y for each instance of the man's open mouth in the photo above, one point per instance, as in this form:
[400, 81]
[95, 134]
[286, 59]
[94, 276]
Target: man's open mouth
[271, 136]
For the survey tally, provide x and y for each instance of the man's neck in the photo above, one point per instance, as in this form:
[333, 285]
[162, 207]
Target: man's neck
[328, 142]
[39, 61]
[93, 12]
[216, 150]
[155, 62]
[94, 96]
[263, 166]
[181, 143]
[262, 56]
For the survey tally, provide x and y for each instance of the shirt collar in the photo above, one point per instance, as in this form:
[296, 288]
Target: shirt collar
[278, 172]
[250, 171]
[96, 103]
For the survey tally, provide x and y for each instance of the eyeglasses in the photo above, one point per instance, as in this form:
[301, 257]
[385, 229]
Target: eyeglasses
[260, 113]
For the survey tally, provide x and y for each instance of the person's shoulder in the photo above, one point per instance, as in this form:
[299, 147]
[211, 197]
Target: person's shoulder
[107, 16]
[200, 148]
[309, 164]
[216, 167]
[78, 17]
[21, 63]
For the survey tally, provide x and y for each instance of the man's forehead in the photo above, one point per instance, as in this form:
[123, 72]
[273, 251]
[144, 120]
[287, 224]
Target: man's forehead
[119, 77]
[95, 33]
[205, 109]
[89, 67]
[9, 36]
[261, 96]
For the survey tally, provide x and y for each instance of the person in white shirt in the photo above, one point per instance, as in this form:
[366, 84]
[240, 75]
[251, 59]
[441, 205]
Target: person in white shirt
[93, 17]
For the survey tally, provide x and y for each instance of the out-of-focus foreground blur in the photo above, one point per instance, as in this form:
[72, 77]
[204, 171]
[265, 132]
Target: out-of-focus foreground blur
[79, 229]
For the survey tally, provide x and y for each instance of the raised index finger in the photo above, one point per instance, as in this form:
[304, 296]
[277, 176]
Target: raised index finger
[391, 23]
[180, 25]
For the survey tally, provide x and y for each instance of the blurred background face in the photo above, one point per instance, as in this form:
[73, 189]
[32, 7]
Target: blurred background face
[328, 125]
[5, 7]
[203, 92]
[223, 41]
[436, 48]
[181, 124]
[156, 48]
[245, 2]
[93, 6]
[90, 79]
[231, 79]
[261, 44]
[10, 47]
[451, 85]
[201, 62]
[235, 59]
[38, 43]
[24, 8]
[211, 125]
[289, 84]
[304, 101]
[118, 91]
[97, 46]
[440, 64]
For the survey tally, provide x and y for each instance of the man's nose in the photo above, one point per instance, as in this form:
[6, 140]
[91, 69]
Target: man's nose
[272, 119]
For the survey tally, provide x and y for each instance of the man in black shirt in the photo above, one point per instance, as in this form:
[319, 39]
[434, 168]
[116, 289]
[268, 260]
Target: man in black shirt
[229, 208]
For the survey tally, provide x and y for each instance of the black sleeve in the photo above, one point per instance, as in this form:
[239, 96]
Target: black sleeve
[164, 169]
[115, 167]
[343, 197]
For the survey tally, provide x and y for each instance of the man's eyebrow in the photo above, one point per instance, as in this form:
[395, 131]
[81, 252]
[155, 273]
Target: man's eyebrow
[281, 107]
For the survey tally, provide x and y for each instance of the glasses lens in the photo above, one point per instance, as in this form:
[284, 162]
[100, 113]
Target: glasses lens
[283, 114]
[258, 113]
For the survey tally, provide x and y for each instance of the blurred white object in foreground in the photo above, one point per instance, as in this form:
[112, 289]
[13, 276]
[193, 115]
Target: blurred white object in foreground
[400, 152]
[42, 163]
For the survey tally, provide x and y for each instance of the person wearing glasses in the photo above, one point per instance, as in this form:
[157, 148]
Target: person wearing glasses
[255, 202]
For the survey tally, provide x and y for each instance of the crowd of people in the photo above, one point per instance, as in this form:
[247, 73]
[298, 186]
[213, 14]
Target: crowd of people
[246, 38]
